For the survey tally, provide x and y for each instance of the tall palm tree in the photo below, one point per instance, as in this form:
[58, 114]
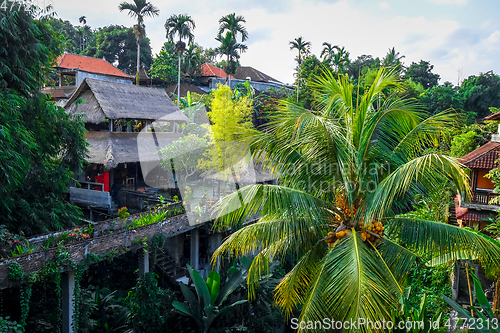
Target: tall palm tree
[233, 24]
[139, 9]
[393, 60]
[182, 26]
[342, 171]
[83, 20]
[328, 51]
[231, 49]
[340, 59]
[303, 48]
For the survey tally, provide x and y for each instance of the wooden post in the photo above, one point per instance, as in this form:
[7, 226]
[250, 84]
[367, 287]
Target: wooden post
[470, 291]
[496, 300]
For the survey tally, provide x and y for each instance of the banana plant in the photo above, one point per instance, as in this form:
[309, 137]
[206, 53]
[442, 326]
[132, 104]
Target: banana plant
[416, 315]
[483, 321]
[208, 306]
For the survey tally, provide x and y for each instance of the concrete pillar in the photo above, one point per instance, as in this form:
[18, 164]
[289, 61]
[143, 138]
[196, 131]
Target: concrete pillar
[195, 248]
[214, 241]
[61, 80]
[179, 249]
[68, 300]
[143, 262]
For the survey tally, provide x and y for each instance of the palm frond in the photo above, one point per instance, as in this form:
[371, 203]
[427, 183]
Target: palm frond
[292, 236]
[447, 241]
[291, 290]
[350, 282]
[398, 259]
[269, 200]
[425, 170]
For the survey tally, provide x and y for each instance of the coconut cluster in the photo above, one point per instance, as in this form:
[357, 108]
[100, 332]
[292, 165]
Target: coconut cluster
[371, 233]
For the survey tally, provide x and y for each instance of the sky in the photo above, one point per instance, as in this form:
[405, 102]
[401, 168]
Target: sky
[459, 37]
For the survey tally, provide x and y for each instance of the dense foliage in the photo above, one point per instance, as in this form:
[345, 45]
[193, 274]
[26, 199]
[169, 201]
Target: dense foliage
[117, 44]
[41, 145]
[341, 170]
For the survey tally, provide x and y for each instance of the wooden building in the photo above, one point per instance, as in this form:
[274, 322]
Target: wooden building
[479, 210]
[127, 126]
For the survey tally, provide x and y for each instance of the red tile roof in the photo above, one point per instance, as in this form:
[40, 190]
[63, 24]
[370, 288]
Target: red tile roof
[483, 157]
[493, 116]
[89, 64]
[209, 70]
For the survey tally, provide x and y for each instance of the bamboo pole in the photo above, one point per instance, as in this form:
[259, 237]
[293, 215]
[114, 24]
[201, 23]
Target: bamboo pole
[496, 300]
[470, 292]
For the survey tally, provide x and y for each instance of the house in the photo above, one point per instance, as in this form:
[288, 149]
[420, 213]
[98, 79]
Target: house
[257, 79]
[209, 73]
[72, 69]
[479, 209]
[185, 87]
[127, 125]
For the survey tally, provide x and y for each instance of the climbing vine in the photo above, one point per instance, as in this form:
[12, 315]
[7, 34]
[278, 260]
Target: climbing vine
[52, 269]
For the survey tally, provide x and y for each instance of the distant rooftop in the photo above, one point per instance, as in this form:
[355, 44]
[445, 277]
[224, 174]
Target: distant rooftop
[89, 64]
[244, 72]
[209, 70]
[483, 157]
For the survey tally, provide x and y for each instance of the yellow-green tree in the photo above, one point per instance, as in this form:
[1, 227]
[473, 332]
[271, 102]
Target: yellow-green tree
[228, 115]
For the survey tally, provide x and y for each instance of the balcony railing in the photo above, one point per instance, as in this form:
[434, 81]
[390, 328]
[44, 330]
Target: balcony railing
[483, 198]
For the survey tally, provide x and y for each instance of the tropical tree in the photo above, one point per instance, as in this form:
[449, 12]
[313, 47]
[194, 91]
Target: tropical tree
[115, 43]
[231, 49]
[182, 26]
[83, 20]
[233, 24]
[340, 59]
[392, 60]
[41, 145]
[303, 48]
[328, 51]
[139, 9]
[343, 171]
[422, 73]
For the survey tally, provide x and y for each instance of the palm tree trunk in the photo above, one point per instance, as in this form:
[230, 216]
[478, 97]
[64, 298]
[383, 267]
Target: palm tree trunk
[138, 60]
[298, 83]
[179, 82]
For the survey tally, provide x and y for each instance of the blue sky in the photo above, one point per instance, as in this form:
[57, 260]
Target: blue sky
[459, 37]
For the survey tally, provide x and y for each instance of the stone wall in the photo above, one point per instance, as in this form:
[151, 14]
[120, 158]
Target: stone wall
[124, 239]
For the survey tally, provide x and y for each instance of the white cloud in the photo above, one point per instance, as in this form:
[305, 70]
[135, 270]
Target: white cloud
[384, 5]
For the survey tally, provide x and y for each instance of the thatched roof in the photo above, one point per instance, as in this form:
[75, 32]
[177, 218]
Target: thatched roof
[112, 100]
[185, 87]
[111, 148]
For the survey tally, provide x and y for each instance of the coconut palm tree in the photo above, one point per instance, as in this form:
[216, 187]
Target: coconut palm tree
[139, 9]
[343, 169]
[328, 51]
[303, 48]
[231, 49]
[182, 26]
[233, 24]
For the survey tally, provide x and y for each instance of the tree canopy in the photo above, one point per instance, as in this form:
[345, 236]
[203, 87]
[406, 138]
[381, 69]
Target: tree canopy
[116, 44]
[40, 144]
